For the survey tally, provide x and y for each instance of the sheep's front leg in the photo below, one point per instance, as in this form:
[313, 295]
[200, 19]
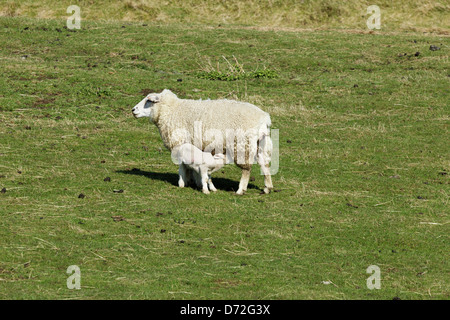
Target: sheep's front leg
[204, 178]
[244, 181]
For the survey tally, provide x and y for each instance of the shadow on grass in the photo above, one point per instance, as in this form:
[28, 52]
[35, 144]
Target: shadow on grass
[172, 178]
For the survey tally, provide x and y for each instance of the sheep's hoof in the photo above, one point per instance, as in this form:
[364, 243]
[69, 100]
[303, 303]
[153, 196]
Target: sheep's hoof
[206, 191]
[267, 190]
[240, 192]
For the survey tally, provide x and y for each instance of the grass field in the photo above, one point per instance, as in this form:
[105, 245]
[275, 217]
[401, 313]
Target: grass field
[413, 15]
[363, 180]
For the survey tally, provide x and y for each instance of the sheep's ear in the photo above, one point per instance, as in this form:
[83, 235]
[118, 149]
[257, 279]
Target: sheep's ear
[153, 98]
[167, 93]
[168, 97]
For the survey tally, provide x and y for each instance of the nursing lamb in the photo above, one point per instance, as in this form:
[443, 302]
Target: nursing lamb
[196, 165]
[240, 129]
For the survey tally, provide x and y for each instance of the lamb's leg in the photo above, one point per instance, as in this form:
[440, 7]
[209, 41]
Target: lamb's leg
[210, 184]
[182, 176]
[204, 177]
[244, 180]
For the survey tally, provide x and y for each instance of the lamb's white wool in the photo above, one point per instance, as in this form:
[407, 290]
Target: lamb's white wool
[193, 161]
[240, 129]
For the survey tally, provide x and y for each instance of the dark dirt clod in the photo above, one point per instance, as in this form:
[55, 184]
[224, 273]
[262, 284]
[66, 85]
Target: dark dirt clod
[434, 48]
[27, 128]
[107, 179]
[289, 141]
[81, 196]
[252, 178]
[118, 191]
[417, 53]
[117, 218]
[3, 190]
[163, 230]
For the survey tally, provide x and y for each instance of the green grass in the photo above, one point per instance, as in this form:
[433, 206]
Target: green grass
[363, 179]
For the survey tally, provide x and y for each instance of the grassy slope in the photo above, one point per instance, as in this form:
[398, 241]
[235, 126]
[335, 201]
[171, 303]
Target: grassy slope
[361, 182]
[397, 14]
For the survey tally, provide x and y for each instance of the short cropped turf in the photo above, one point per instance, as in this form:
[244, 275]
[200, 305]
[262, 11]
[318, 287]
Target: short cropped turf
[363, 178]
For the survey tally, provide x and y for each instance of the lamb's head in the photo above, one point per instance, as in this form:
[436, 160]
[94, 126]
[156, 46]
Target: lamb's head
[219, 161]
[144, 107]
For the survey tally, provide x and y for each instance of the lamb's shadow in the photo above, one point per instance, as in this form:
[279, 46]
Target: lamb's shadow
[172, 178]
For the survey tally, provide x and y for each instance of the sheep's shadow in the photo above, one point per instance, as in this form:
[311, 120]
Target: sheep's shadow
[172, 178]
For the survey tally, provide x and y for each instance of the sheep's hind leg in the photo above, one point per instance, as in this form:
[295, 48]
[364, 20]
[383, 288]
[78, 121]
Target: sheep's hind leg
[263, 157]
[268, 186]
[265, 168]
[244, 181]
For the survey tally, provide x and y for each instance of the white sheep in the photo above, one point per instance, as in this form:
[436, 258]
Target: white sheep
[213, 126]
[196, 165]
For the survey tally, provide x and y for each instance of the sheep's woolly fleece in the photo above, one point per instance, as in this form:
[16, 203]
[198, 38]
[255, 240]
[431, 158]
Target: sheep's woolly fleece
[171, 114]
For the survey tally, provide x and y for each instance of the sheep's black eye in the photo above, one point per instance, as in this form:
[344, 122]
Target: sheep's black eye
[148, 104]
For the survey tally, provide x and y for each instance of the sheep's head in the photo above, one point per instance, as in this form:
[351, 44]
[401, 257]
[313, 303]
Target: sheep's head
[144, 108]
